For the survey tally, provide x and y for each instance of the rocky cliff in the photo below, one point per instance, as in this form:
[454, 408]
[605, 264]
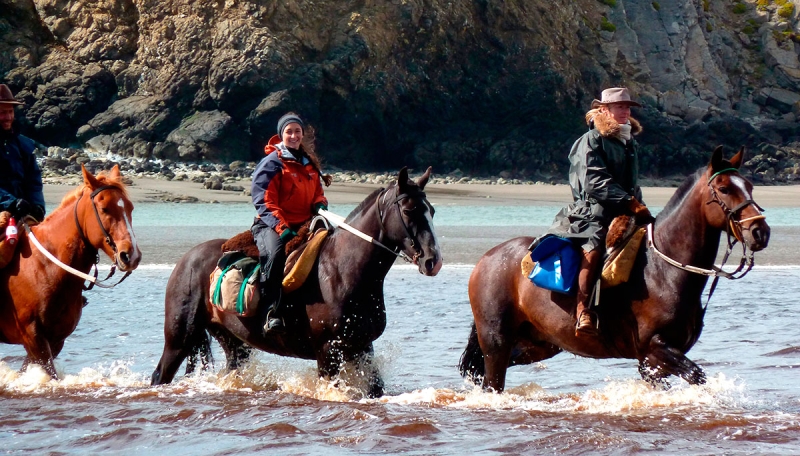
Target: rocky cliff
[481, 86]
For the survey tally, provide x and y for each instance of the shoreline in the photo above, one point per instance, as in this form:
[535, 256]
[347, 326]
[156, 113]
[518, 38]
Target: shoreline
[152, 190]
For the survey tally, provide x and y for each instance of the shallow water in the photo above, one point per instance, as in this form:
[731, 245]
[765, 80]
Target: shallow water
[749, 349]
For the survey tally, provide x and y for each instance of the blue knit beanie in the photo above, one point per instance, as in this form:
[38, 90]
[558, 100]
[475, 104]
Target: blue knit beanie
[286, 120]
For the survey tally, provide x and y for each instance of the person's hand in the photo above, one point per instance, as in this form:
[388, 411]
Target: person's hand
[21, 208]
[319, 206]
[37, 212]
[287, 234]
[640, 212]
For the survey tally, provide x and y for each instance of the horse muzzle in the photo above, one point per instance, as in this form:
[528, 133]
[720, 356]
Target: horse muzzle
[756, 235]
[127, 257]
[429, 264]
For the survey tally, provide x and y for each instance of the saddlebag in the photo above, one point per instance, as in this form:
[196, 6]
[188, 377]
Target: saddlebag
[557, 265]
[234, 284]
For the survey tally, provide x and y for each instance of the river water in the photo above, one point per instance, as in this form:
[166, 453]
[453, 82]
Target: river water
[566, 405]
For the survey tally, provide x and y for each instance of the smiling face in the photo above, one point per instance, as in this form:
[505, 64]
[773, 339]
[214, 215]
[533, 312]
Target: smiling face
[292, 135]
[6, 116]
[619, 111]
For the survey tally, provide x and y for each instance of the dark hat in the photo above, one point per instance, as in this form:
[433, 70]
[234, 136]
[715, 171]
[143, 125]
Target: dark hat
[6, 97]
[615, 95]
[286, 120]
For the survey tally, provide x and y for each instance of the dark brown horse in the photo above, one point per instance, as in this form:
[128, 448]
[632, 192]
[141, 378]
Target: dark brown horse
[655, 318]
[41, 301]
[334, 316]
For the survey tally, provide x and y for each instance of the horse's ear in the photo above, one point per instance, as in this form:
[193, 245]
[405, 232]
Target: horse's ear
[736, 160]
[88, 178]
[424, 179]
[114, 174]
[402, 178]
[716, 160]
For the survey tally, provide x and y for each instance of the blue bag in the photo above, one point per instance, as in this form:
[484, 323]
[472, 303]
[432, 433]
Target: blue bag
[557, 265]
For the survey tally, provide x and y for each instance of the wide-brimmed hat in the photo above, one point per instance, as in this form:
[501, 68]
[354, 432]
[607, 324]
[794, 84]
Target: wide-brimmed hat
[615, 95]
[6, 97]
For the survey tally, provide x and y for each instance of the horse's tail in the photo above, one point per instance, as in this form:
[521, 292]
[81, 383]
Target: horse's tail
[471, 364]
[200, 350]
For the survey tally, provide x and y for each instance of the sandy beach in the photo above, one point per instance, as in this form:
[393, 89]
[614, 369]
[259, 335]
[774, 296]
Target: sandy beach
[158, 190]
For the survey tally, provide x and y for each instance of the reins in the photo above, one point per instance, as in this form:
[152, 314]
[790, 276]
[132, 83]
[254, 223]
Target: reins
[89, 278]
[733, 230]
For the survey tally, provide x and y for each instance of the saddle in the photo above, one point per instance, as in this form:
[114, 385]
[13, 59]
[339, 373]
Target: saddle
[622, 246]
[301, 252]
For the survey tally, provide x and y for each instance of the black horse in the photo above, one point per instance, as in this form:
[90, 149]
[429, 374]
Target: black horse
[333, 317]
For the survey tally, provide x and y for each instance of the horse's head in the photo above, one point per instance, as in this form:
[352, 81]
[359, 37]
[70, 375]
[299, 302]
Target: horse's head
[411, 225]
[730, 205]
[103, 214]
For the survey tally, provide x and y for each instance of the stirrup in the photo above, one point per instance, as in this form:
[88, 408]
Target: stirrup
[587, 324]
[273, 324]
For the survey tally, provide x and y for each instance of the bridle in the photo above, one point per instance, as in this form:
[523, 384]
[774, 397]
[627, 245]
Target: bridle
[92, 279]
[734, 225]
[733, 229]
[415, 244]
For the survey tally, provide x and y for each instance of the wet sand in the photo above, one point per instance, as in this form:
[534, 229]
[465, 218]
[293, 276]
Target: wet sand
[156, 190]
[465, 245]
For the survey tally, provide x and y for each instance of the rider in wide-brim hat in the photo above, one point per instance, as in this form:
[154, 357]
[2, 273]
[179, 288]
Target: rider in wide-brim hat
[6, 97]
[603, 176]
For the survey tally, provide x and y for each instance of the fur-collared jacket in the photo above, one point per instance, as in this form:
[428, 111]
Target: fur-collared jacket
[604, 176]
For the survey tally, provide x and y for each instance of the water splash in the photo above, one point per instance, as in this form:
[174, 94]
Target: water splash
[616, 397]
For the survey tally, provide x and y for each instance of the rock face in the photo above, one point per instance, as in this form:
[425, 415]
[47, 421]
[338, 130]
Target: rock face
[478, 86]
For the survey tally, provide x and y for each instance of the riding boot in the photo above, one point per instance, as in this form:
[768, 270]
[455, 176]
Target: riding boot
[274, 322]
[587, 323]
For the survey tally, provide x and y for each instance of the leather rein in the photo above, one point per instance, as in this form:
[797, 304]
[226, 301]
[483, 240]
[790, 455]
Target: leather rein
[733, 229]
[92, 279]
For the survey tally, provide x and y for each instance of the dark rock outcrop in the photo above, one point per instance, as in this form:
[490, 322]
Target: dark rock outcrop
[479, 87]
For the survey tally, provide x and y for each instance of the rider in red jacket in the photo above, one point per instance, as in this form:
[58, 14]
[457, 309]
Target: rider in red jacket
[286, 192]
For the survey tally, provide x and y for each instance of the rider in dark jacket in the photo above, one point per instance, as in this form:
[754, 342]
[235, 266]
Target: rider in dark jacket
[20, 176]
[603, 174]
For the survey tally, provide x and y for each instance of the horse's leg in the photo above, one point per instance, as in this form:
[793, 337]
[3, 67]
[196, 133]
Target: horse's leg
[496, 346]
[39, 352]
[331, 359]
[657, 379]
[201, 352]
[366, 365]
[661, 360]
[237, 353]
[185, 321]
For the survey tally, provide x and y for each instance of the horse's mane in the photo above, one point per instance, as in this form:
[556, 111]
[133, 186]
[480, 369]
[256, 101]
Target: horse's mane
[104, 179]
[368, 201]
[682, 191]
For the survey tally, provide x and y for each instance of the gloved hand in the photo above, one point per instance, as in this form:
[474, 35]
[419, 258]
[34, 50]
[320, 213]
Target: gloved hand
[37, 212]
[640, 212]
[287, 234]
[21, 208]
[319, 206]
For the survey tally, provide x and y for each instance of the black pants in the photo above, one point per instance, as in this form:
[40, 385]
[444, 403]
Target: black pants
[272, 258]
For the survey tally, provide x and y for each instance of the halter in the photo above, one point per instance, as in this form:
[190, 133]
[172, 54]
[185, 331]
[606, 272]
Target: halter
[91, 279]
[733, 229]
[409, 235]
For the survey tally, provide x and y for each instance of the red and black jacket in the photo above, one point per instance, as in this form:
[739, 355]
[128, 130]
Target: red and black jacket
[286, 189]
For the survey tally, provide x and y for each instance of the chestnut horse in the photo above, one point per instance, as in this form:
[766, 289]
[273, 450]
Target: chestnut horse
[41, 301]
[334, 316]
[655, 318]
